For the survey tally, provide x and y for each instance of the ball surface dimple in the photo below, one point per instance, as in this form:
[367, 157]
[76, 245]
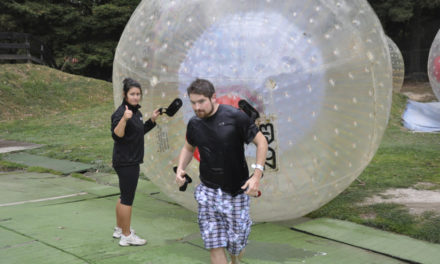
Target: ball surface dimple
[397, 64]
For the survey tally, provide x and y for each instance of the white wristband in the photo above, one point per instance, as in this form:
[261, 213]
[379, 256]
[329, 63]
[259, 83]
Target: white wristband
[257, 166]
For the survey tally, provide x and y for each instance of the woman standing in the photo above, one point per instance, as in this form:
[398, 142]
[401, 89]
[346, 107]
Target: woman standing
[128, 131]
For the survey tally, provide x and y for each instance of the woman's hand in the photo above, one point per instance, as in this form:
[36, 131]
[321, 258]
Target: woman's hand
[155, 114]
[127, 114]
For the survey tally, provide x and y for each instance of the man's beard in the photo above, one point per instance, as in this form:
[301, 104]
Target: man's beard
[202, 114]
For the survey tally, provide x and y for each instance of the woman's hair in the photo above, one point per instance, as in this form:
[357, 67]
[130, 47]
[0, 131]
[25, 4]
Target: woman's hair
[129, 83]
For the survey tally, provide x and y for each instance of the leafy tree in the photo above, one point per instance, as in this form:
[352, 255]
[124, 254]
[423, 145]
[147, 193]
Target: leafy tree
[413, 25]
[82, 34]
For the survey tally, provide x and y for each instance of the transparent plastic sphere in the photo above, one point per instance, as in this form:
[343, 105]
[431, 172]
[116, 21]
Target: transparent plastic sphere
[434, 66]
[319, 73]
[398, 65]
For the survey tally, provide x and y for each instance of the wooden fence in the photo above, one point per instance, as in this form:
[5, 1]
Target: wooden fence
[19, 47]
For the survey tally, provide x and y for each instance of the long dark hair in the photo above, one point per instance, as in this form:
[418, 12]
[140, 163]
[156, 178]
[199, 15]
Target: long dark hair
[129, 83]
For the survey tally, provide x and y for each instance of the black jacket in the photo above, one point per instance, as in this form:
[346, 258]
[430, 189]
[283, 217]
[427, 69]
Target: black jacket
[129, 150]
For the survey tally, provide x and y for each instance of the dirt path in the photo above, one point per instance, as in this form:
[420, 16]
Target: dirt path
[417, 201]
[10, 146]
[418, 91]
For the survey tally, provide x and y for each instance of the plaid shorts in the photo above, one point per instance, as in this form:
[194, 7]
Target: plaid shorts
[224, 220]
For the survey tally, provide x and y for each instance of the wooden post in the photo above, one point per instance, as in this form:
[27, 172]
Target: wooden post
[41, 53]
[28, 49]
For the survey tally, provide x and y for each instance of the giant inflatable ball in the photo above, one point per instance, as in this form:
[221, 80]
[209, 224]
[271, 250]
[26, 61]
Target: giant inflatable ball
[318, 72]
[434, 66]
[398, 65]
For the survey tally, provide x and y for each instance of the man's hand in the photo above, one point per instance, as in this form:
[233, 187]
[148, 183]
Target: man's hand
[180, 180]
[253, 184]
[127, 114]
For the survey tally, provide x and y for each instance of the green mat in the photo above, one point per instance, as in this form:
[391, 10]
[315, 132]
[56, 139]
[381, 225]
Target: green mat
[64, 166]
[19, 249]
[41, 188]
[79, 229]
[376, 240]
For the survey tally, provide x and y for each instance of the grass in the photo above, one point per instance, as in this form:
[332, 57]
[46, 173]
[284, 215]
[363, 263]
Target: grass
[82, 177]
[402, 160]
[69, 114]
[79, 130]
[28, 90]
[43, 170]
[79, 135]
[10, 166]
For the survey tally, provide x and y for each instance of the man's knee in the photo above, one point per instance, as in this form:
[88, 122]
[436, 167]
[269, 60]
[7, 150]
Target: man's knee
[217, 250]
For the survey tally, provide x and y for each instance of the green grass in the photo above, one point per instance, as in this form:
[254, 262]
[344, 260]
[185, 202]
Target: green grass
[69, 114]
[28, 90]
[43, 170]
[10, 166]
[82, 177]
[79, 130]
[402, 160]
[79, 135]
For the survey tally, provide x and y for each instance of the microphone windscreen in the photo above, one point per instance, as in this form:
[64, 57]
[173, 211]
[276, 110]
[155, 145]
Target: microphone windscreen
[248, 109]
[174, 107]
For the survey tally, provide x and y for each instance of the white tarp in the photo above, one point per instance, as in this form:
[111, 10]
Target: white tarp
[422, 117]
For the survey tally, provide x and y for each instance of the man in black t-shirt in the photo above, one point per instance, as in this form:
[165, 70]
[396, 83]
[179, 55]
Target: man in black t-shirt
[219, 132]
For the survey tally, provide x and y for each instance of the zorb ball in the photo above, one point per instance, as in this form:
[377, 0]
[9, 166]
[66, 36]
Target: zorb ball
[318, 72]
[398, 65]
[434, 65]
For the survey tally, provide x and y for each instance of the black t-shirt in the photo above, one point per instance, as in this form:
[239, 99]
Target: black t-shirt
[220, 139]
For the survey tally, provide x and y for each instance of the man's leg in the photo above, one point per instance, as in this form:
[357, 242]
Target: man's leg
[218, 256]
[238, 225]
[211, 226]
[237, 259]
[234, 260]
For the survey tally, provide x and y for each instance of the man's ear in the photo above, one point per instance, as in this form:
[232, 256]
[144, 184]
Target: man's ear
[214, 98]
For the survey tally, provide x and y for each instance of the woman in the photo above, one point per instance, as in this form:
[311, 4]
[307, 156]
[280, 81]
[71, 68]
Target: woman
[128, 131]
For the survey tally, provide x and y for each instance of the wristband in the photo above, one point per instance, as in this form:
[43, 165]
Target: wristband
[257, 166]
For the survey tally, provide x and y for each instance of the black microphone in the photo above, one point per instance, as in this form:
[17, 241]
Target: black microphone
[172, 108]
[248, 109]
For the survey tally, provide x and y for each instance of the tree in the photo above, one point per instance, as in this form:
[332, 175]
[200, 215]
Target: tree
[83, 35]
[413, 25]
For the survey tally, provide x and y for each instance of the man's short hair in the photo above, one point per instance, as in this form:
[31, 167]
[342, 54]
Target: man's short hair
[201, 86]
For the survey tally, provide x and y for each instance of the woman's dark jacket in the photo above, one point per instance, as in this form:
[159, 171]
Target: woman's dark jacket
[129, 150]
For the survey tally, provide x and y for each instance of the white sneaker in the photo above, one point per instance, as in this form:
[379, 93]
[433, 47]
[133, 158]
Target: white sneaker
[131, 240]
[118, 232]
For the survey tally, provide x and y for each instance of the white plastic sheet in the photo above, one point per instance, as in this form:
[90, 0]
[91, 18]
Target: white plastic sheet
[422, 117]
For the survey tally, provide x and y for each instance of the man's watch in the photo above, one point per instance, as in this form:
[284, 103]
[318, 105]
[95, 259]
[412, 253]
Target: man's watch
[257, 166]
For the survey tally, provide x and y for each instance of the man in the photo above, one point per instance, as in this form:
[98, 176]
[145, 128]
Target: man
[219, 132]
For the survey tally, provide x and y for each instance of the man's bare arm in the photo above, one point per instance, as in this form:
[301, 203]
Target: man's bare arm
[185, 157]
[253, 183]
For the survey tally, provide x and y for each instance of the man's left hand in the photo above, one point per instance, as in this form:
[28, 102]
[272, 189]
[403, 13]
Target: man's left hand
[253, 184]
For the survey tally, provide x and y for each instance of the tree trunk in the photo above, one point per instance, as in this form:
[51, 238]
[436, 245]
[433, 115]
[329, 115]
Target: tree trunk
[414, 65]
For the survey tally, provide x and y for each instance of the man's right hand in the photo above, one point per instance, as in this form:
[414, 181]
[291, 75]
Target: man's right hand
[128, 113]
[180, 179]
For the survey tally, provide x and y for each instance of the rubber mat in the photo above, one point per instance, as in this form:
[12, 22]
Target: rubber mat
[373, 239]
[63, 166]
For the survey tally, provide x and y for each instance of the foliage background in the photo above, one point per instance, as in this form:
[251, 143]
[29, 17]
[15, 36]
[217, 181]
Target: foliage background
[89, 30]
